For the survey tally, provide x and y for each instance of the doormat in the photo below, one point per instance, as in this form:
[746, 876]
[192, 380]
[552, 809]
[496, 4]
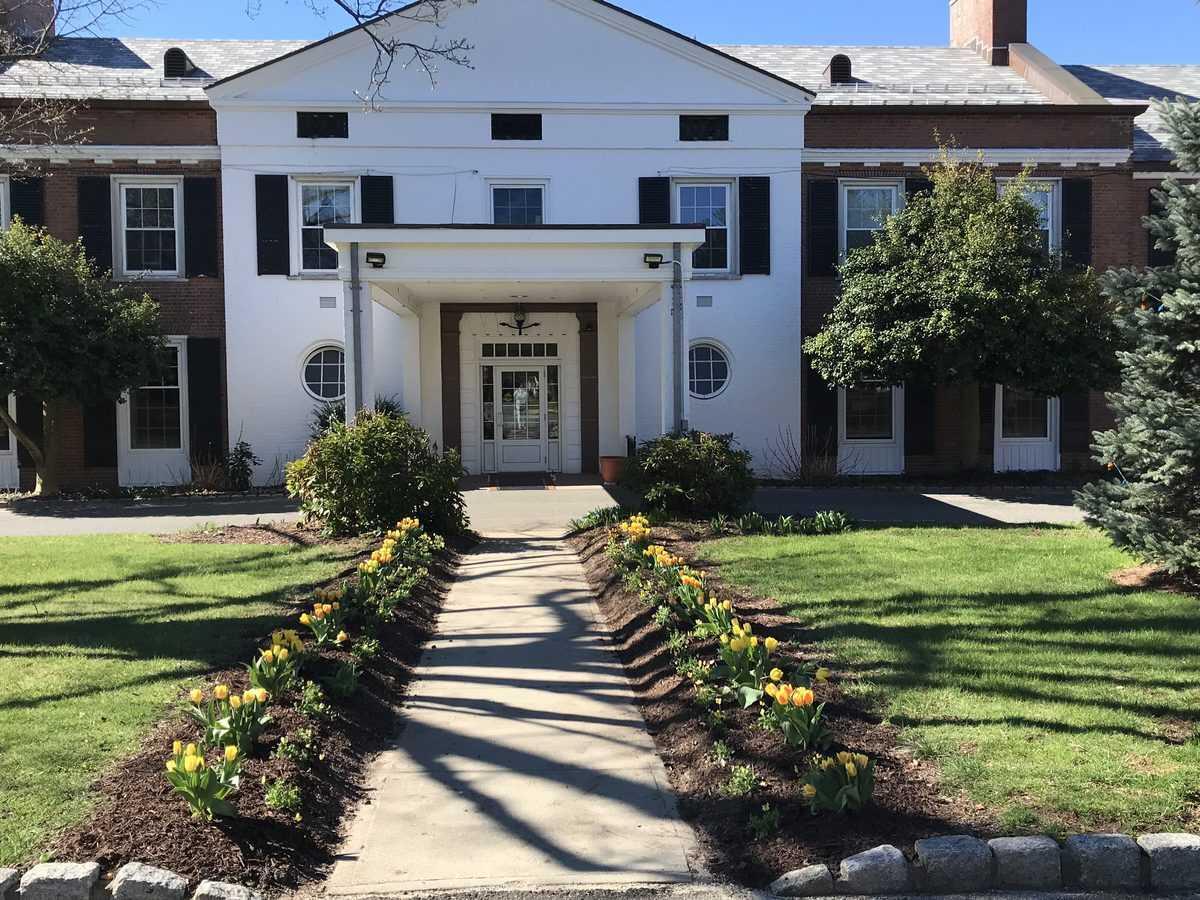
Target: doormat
[521, 480]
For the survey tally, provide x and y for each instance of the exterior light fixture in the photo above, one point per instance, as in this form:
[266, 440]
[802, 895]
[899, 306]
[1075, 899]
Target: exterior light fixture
[520, 321]
[653, 260]
[376, 260]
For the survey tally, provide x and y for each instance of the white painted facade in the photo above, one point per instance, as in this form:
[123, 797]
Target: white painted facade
[604, 127]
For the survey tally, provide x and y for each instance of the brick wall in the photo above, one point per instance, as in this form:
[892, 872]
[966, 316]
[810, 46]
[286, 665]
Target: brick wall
[194, 307]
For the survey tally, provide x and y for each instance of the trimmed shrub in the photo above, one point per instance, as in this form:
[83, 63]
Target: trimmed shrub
[691, 475]
[354, 479]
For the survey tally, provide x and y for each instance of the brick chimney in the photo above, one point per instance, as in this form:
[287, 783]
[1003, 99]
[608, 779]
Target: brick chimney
[989, 26]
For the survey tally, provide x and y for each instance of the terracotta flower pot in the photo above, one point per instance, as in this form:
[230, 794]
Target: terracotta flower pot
[611, 468]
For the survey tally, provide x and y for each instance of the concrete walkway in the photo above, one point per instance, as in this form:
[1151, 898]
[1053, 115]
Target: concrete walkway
[43, 518]
[523, 762]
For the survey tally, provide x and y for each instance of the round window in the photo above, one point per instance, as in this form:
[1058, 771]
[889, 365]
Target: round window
[708, 370]
[325, 373]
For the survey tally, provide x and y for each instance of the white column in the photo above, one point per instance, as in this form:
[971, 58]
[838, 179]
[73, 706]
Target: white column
[627, 375]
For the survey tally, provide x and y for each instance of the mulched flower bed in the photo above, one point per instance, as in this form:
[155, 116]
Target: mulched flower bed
[908, 805]
[139, 818]
[272, 534]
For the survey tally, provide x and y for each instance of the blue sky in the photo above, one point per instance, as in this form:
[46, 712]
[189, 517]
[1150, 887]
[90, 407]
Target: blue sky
[1124, 31]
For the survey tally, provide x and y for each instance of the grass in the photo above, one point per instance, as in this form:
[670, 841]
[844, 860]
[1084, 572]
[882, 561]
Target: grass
[1045, 692]
[97, 636]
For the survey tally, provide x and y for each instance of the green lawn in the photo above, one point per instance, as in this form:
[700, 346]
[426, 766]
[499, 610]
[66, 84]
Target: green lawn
[1045, 692]
[97, 634]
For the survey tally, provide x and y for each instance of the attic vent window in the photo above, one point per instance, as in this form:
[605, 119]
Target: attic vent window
[177, 65]
[516, 127]
[322, 125]
[704, 128]
[840, 70]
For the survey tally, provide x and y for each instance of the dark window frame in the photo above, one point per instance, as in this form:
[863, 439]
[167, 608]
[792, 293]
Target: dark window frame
[322, 125]
[705, 128]
[517, 126]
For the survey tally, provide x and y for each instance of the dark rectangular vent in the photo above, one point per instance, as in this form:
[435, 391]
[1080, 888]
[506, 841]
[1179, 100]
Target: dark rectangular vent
[322, 125]
[516, 127]
[704, 128]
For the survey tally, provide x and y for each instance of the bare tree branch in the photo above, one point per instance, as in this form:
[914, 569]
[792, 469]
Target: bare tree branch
[378, 19]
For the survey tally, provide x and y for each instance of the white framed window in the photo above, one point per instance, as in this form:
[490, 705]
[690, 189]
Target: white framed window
[156, 410]
[709, 370]
[1046, 197]
[1024, 416]
[518, 203]
[320, 202]
[324, 373]
[865, 208]
[149, 232]
[870, 412]
[710, 204]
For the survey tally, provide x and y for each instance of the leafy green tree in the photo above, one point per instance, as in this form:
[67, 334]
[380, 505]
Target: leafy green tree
[958, 289]
[67, 336]
[1152, 504]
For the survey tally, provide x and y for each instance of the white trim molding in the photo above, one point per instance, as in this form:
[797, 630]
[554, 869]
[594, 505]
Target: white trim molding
[909, 157]
[107, 153]
[1163, 176]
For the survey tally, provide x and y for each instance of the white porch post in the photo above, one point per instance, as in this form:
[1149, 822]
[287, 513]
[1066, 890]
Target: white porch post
[359, 341]
[627, 375]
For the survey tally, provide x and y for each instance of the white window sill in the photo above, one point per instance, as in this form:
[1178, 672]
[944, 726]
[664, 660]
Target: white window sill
[331, 275]
[715, 276]
[141, 278]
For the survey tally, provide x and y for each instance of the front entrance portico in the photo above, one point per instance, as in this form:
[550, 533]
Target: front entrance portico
[516, 345]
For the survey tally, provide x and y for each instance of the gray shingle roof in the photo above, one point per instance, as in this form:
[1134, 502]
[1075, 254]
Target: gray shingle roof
[894, 75]
[94, 68]
[1138, 84]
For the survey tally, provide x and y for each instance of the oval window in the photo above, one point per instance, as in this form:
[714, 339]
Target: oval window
[325, 373]
[708, 370]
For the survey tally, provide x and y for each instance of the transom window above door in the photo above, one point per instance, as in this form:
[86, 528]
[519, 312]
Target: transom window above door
[518, 205]
[322, 204]
[865, 210]
[150, 228]
[869, 413]
[708, 205]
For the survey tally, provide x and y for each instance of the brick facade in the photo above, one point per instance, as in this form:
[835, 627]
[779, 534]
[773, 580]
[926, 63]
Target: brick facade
[192, 307]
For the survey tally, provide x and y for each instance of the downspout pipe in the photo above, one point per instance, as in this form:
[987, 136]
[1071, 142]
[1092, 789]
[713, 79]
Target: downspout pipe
[356, 333]
[679, 353]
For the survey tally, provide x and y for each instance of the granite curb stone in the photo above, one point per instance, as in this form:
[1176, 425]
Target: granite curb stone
[1173, 861]
[880, 870]
[60, 881]
[1026, 863]
[1102, 862]
[952, 865]
[9, 879]
[811, 881]
[219, 890]
[137, 881]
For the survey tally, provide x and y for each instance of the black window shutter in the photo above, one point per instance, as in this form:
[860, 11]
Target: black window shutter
[654, 201]
[95, 219]
[100, 435]
[754, 213]
[200, 219]
[1076, 422]
[1156, 256]
[920, 419]
[29, 417]
[205, 419]
[987, 418]
[27, 196]
[1077, 220]
[271, 201]
[821, 421]
[822, 227]
[378, 200]
[914, 186]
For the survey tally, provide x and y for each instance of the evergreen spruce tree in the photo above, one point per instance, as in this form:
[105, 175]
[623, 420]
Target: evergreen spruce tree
[1151, 503]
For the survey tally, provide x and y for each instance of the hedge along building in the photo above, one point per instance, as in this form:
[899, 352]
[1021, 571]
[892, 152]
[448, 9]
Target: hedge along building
[142, 189]
[517, 254]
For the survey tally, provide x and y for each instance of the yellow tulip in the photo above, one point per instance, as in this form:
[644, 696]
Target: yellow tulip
[771, 644]
[822, 674]
[268, 656]
[281, 654]
[803, 698]
[843, 757]
[342, 637]
[771, 689]
[727, 606]
[192, 763]
[261, 695]
[809, 791]
[221, 692]
[190, 750]
[235, 702]
[777, 674]
[177, 747]
[851, 769]
[171, 765]
[305, 620]
[248, 697]
[861, 759]
[197, 696]
[231, 753]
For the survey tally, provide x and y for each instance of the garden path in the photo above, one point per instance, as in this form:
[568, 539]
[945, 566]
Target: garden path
[523, 761]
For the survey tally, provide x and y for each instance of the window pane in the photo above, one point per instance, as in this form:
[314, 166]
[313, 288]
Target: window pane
[325, 374]
[869, 413]
[1025, 415]
[708, 370]
[517, 206]
[489, 403]
[715, 252]
[552, 403]
[155, 411]
[150, 240]
[322, 204]
[869, 207]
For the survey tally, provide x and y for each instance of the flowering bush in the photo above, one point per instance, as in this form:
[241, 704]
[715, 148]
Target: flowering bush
[840, 784]
[229, 718]
[206, 787]
[796, 713]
